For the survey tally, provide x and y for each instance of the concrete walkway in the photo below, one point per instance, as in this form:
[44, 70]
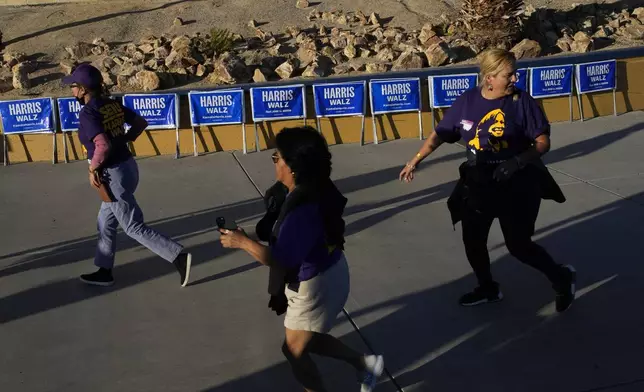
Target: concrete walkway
[408, 269]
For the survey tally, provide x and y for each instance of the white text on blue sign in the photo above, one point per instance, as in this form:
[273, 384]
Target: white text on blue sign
[455, 87]
[277, 99]
[397, 92]
[598, 73]
[216, 104]
[552, 77]
[149, 107]
[339, 95]
[25, 111]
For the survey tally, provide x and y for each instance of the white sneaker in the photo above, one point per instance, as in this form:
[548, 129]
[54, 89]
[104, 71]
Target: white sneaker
[374, 365]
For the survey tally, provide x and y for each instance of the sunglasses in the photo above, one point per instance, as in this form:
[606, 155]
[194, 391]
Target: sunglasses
[275, 157]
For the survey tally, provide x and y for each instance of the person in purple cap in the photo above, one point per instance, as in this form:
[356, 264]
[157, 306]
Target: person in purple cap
[102, 133]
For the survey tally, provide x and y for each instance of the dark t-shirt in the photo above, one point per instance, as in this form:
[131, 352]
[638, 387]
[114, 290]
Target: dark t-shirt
[495, 129]
[104, 115]
[301, 243]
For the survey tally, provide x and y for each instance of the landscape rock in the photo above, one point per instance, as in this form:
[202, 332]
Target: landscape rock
[66, 66]
[565, 43]
[153, 64]
[361, 17]
[229, 69]
[13, 58]
[261, 75]
[437, 55]
[604, 32]
[301, 4]
[177, 22]
[131, 49]
[161, 52]
[385, 54]
[21, 76]
[582, 43]
[526, 49]
[293, 31]
[633, 32]
[639, 13]
[123, 82]
[377, 68]
[6, 81]
[148, 80]
[146, 48]
[314, 15]
[314, 71]
[339, 42]
[180, 43]
[252, 24]
[80, 50]
[108, 79]
[286, 69]
[408, 60]
[374, 19]
[426, 33]
[342, 69]
[201, 71]
[327, 51]
[307, 56]
[350, 51]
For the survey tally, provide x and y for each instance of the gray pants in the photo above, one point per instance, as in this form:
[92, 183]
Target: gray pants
[125, 211]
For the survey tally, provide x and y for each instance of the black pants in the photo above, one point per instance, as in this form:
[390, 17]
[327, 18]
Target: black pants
[516, 204]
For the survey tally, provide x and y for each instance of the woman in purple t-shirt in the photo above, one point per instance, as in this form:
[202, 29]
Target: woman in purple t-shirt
[505, 133]
[102, 132]
[307, 242]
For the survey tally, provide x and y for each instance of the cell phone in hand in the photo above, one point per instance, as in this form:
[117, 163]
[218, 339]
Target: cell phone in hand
[223, 225]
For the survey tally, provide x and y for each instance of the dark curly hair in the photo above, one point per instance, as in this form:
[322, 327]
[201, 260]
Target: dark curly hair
[306, 152]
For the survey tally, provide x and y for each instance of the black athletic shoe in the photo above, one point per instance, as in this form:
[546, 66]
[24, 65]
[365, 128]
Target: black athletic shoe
[183, 262]
[567, 289]
[481, 296]
[102, 277]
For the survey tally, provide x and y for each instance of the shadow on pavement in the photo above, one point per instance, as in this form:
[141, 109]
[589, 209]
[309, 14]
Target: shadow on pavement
[520, 344]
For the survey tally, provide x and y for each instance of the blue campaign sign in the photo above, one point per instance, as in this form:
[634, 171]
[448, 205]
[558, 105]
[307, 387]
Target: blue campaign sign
[522, 79]
[443, 90]
[27, 115]
[216, 107]
[394, 95]
[552, 81]
[339, 99]
[159, 110]
[68, 111]
[596, 76]
[278, 103]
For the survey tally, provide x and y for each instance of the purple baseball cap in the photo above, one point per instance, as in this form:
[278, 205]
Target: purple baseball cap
[86, 75]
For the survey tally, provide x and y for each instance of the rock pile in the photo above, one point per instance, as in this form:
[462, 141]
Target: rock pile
[335, 42]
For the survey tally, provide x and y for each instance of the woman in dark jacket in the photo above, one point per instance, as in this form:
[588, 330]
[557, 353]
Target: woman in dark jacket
[505, 133]
[307, 241]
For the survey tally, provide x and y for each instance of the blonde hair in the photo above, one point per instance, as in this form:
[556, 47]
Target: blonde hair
[492, 61]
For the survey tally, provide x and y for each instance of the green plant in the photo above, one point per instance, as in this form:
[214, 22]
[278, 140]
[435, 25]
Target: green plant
[221, 41]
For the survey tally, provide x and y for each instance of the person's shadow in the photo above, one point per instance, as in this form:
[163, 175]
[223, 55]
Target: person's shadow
[521, 344]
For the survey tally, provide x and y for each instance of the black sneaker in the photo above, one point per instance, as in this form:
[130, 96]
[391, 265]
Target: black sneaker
[183, 262]
[566, 290]
[102, 277]
[481, 296]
